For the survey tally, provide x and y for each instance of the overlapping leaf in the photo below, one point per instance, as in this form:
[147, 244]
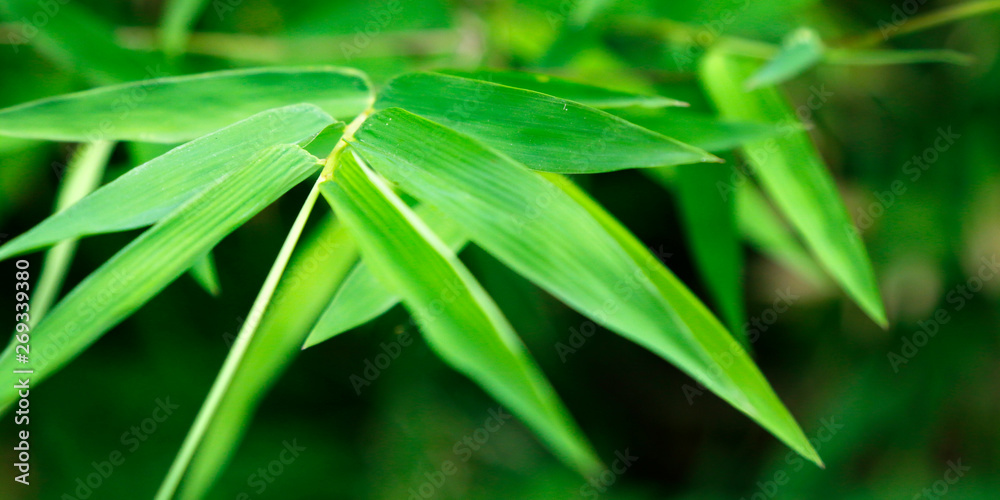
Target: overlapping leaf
[793, 174]
[459, 320]
[363, 298]
[542, 132]
[148, 192]
[176, 109]
[154, 259]
[536, 228]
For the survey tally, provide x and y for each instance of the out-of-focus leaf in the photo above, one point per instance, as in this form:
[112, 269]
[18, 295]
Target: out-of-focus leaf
[584, 11]
[793, 174]
[459, 320]
[528, 222]
[319, 266]
[363, 298]
[83, 174]
[801, 51]
[700, 130]
[588, 95]
[154, 259]
[148, 192]
[883, 57]
[181, 108]
[763, 229]
[939, 17]
[541, 131]
[710, 223]
[77, 39]
[203, 271]
[179, 17]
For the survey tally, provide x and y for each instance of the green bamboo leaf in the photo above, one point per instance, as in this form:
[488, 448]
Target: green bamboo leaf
[883, 57]
[764, 229]
[179, 17]
[802, 50]
[362, 297]
[204, 273]
[698, 129]
[755, 397]
[173, 178]
[314, 274]
[541, 131]
[154, 259]
[588, 95]
[77, 39]
[459, 320]
[176, 109]
[710, 223]
[532, 225]
[83, 174]
[793, 174]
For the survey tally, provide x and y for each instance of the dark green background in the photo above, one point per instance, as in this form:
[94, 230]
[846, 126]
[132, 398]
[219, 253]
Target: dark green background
[894, 432]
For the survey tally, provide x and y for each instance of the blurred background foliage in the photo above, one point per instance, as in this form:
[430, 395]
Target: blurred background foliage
[885, 429]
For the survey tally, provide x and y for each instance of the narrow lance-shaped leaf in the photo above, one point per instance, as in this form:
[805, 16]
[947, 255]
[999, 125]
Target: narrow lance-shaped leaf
[541, 131]
[793, 174]
[362, 297]
[204, 273]
[460, 321]
[758, 400]
[154, 259]
[533, 226]
[801, 51]
[176, 109]
[710, 223]
[148, 192]
[588, 95]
